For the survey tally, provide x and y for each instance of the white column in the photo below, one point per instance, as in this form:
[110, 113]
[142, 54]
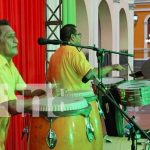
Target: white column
[115, 35]
[130, 41]
[92, 11]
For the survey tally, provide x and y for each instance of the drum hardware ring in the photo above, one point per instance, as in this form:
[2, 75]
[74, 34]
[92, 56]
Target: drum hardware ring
[89, 130]
[51, 138]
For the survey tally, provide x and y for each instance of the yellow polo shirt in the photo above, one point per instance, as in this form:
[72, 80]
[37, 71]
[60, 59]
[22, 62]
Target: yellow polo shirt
[67, 67]
[10, 81]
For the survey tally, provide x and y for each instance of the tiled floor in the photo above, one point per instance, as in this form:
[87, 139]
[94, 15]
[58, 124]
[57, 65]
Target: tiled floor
[142, 115]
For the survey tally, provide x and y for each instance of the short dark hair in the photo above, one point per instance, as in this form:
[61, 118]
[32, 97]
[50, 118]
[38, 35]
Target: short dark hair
[2, 23]
[66, 31]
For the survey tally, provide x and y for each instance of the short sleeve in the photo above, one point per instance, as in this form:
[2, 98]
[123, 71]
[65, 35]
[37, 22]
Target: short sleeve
[6, 93]
[20, 84]
[80, 64]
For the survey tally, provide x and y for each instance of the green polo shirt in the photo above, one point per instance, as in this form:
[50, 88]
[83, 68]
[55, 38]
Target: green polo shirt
[10, 81]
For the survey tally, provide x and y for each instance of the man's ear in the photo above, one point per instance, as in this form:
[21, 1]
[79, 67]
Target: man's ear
[72, 37]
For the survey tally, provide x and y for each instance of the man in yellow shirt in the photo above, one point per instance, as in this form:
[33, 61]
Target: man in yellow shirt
[68, 66]
[69, 69]
[10, 79]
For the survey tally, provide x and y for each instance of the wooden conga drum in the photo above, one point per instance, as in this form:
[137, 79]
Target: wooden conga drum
[68, 128]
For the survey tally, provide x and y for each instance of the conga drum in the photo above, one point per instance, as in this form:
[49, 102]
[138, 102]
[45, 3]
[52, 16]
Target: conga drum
[69, 127]
[135, 92]
[94, 116]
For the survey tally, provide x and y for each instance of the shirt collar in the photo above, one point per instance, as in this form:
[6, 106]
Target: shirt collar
[3, 61]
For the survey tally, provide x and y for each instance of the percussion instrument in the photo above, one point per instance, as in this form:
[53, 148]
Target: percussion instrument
[94, 116]
[69, 128]
[135, 92]
[111, 81]
[113, 118]
[88, 95]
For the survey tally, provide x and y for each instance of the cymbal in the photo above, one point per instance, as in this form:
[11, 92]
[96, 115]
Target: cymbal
[146, 69]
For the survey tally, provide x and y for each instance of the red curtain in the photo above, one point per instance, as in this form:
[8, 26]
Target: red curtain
[27, 17]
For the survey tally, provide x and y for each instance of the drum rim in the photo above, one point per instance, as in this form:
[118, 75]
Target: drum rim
[81, 111]
[113, 83]
[125, 85]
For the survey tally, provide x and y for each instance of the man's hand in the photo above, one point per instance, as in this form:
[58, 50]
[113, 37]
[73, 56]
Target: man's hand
[118, 67]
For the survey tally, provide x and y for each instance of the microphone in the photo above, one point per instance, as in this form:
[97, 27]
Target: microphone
[43, 41]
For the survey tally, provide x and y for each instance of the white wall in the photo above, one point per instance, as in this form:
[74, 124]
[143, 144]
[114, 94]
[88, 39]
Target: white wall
[82, 22]
[109, 37]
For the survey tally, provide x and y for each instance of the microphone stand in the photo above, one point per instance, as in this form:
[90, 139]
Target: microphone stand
[100, 59]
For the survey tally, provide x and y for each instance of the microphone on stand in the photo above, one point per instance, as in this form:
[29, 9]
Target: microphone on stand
[43, 41]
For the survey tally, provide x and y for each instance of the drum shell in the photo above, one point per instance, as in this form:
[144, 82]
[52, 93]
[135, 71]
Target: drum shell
[70, 132]
[114, 121]
[96, 123]
[135, 93]
[94, 117]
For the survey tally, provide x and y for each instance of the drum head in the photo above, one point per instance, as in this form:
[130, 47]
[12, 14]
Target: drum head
[134, 84]
[83, 93]
[88, 95]
[64, 106]
[146, 69]
[111, 80]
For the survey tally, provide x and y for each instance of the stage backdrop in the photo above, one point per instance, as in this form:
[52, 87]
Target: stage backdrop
[27, 17]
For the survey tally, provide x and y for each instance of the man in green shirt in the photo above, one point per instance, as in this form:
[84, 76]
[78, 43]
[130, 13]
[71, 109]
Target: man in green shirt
[10, 80]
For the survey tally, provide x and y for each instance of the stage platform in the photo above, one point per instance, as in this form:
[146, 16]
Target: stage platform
[122, 143]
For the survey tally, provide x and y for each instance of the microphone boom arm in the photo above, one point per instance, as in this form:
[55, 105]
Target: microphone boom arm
[43, 41]
[100, 51]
